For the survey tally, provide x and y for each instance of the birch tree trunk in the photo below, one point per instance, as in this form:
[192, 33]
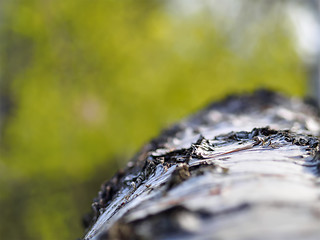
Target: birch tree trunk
[243, 168]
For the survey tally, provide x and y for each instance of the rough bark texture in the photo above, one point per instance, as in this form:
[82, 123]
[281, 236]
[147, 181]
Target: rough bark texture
[244, 168]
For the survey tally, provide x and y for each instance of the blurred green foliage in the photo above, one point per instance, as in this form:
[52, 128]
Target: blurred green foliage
[90, 81]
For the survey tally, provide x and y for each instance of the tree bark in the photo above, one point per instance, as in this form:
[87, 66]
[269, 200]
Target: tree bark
[243, 168]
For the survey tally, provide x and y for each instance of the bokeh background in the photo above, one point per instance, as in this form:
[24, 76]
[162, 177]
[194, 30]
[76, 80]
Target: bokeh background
[84, 84]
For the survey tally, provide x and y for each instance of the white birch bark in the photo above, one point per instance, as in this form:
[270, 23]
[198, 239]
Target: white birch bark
[244, 168]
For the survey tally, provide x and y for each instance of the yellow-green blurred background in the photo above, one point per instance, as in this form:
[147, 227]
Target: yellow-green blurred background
[83, 84]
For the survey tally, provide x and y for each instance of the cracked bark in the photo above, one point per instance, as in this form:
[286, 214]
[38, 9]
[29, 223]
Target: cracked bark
[243, 168]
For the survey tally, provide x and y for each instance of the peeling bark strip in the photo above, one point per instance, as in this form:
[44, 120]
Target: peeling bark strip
[244, 168]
